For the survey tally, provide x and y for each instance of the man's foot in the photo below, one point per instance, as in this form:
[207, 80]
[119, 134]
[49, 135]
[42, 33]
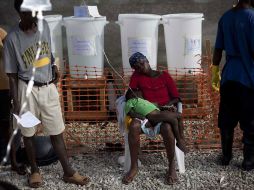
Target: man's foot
[182, 146]
[35, 180]
[19, 168]
[171, 179]
[129, 177]
[247, 167]
[77, 179]
[248, 157]
[225, 160]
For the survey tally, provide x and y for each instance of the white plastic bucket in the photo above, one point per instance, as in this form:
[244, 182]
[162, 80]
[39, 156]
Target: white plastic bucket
[85, 40]
[139, 33]
[55, 26]
[183, 36]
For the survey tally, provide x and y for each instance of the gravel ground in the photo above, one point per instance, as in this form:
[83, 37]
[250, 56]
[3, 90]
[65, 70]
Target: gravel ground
[203, 172]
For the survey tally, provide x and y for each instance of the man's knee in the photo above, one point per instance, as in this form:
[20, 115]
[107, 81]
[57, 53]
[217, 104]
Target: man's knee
[135, 126]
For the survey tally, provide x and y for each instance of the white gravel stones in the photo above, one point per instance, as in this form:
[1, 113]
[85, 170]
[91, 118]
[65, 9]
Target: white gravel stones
[202, 172]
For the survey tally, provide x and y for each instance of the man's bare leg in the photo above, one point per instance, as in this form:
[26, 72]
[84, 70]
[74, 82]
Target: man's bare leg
[30, 152]
[70, 175]
[60, 149]
[31, 156]
[15, 166]
[134, 144]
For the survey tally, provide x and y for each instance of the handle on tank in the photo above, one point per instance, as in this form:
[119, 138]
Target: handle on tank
[119, 23]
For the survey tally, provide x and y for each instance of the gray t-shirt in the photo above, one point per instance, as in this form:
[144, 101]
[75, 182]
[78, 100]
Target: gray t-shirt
[20, 51]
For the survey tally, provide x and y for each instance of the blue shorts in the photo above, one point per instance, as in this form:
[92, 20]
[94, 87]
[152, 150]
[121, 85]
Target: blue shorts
[150, 132]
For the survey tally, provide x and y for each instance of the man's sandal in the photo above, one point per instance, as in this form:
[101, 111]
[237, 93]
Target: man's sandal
[35, 180]
[77, 179]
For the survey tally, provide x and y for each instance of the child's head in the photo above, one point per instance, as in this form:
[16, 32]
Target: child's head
[132, 94]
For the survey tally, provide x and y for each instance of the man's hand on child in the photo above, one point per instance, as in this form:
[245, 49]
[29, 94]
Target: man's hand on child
[171, 108]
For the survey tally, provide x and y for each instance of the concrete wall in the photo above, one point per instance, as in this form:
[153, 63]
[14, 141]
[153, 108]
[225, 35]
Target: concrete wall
[212, 10]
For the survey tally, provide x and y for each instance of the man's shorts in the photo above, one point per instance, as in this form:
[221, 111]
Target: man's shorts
[44, 103]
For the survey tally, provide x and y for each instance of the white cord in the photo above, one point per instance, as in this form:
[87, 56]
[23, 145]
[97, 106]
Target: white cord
[108, 61]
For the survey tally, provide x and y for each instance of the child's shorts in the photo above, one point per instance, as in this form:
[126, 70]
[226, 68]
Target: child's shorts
[150, 132]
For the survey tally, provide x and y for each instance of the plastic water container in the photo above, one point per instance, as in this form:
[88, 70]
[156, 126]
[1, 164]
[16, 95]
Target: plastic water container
[183, 36]
[55, 26]
[139, 33]
[85, 40]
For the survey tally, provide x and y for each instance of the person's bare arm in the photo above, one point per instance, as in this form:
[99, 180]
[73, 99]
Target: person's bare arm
[133, 114]
[55, 70]
[217, 55]
[13, 81]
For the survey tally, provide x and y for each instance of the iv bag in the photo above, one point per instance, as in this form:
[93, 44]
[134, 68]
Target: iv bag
[36, 5]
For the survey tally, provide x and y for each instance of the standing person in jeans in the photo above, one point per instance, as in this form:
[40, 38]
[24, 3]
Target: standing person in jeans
[20, 49]
[235, 37]
[160, 89]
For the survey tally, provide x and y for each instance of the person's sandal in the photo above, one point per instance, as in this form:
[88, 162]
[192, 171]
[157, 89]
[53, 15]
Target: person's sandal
[77, 179]
[35, 180]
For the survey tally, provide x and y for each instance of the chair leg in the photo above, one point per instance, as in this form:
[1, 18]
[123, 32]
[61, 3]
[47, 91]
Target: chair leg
[180, 159]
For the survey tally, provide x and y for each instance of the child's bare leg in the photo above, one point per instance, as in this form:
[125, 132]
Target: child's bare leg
[134, 143]
[172, 119]
[169, 142]
[180, 142]
[180, 127]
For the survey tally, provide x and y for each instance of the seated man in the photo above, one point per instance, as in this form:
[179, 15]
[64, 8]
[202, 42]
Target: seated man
[159, 88]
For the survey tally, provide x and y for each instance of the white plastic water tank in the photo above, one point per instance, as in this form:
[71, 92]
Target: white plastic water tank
[85, 40]
[55, 26]
[139, 33]
[183, 37]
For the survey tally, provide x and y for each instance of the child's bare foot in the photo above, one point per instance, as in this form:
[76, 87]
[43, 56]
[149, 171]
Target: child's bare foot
[129, 177]
[182, 146]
